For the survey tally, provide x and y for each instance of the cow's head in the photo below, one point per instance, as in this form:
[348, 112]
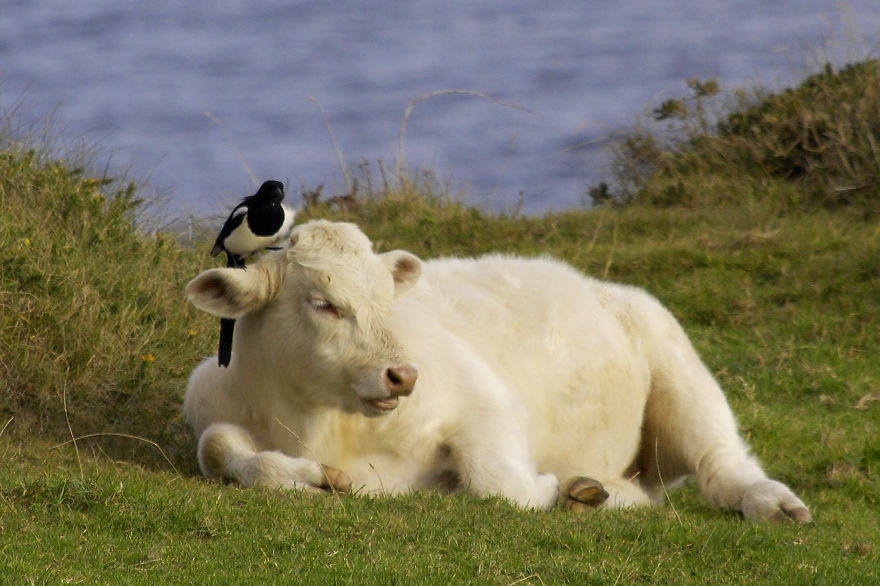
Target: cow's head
[316, 317]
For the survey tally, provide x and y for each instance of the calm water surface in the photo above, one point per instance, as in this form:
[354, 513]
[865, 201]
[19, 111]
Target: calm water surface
[185, 91]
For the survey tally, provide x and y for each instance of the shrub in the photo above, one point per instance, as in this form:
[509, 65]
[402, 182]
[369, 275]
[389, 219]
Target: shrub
[813, 145]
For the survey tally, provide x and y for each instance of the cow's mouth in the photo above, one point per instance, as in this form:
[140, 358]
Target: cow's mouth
[383, 405]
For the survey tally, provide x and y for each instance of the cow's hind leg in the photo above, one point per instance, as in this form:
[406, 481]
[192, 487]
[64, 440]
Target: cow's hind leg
[689, 428]
[228, 451]
[581, 494]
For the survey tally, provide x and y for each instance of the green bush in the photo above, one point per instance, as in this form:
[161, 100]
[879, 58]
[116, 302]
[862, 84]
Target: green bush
[813, 145]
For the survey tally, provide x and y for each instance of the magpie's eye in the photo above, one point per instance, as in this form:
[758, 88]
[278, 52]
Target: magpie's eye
[321, 305]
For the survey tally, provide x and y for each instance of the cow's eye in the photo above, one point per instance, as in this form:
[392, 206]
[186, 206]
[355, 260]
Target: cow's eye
[320, 304]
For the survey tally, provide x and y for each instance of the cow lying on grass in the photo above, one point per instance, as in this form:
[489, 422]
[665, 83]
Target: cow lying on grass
[500, 376]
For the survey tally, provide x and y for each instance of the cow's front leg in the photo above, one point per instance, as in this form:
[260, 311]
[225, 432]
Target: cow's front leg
[228, 451]
[494, 459]
[517, 482]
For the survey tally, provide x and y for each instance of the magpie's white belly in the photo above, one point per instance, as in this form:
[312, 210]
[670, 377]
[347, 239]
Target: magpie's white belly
[243, 242]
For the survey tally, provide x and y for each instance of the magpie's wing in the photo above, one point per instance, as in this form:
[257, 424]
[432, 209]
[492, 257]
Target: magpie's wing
[232, 222]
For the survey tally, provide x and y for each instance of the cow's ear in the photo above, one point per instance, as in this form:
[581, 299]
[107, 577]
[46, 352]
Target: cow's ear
[405, 267]
[231, 293]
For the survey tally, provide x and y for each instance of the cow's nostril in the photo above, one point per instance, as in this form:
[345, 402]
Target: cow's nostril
[400, 380]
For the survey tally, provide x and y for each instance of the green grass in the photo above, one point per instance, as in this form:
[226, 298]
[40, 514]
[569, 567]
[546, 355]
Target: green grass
[777, 286]
[118, 523]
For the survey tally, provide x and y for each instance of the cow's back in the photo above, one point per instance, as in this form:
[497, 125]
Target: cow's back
[556, 339]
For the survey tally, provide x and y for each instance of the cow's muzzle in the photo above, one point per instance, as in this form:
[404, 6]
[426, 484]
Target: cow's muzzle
[399, 382]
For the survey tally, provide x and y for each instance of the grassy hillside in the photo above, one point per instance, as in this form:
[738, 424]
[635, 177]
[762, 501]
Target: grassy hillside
[767, 250]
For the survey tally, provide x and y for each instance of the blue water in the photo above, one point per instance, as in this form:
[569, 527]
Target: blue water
[194, 94]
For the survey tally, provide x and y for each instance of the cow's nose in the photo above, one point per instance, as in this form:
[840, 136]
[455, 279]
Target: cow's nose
[400, 380]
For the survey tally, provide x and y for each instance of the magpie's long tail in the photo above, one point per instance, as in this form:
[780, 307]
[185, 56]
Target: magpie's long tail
[224, 352]
[227, 326]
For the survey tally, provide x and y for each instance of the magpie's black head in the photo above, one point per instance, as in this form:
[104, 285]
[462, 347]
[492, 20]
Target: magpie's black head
[270, 191]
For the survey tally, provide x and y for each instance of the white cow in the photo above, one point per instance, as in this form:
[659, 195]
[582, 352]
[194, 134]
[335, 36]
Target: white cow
[499, 376]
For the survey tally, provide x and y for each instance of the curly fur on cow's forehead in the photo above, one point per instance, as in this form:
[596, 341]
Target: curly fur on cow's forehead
[331, 250]
[325, 245]
[326, 237]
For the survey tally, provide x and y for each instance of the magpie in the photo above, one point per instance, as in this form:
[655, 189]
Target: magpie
[259, 222]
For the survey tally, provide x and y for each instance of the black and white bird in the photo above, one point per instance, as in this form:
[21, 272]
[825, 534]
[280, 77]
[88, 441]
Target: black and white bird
[259, 222]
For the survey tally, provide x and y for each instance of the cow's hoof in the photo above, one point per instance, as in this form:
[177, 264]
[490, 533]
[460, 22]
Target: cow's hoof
[335, 479]
[582, 494]
[770, 500]
[798, 515]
